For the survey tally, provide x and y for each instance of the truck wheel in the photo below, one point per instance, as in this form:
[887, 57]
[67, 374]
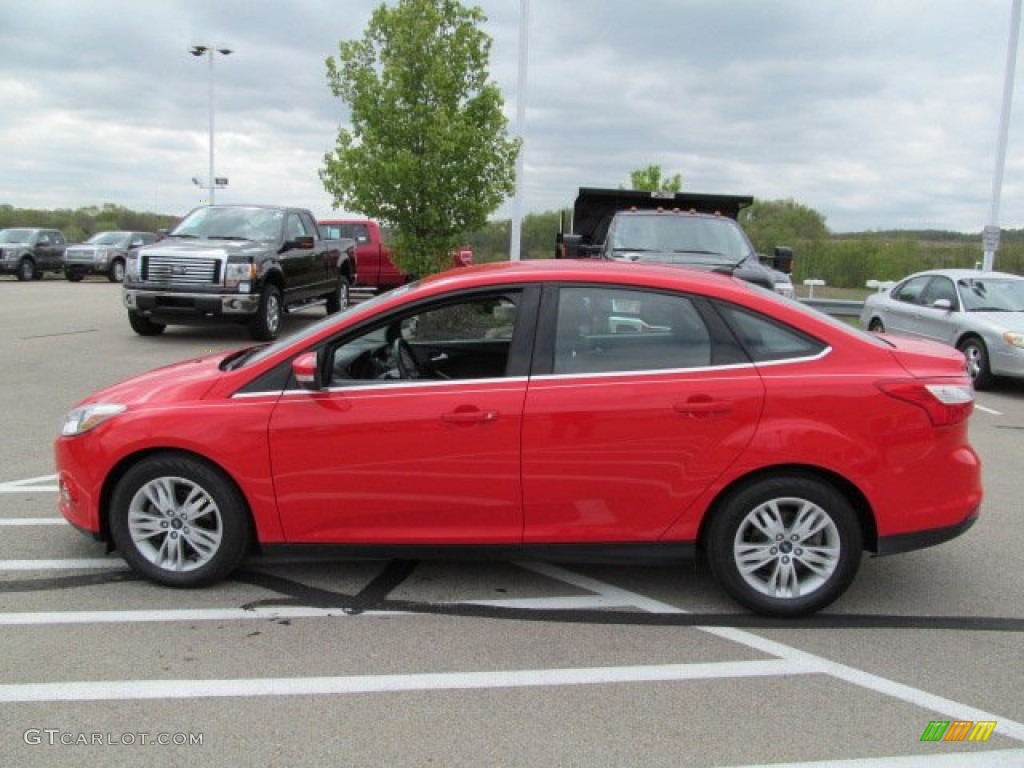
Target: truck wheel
[73, 276]
[179, 521]
[26, 270]
[265, 324]
[116, 272]
[785, 546]
[338, 300]
[144, 326]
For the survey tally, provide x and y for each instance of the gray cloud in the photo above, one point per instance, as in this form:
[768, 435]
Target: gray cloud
[877, 114]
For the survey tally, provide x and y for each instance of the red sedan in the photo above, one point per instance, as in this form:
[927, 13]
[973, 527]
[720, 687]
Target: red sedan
[553, 410]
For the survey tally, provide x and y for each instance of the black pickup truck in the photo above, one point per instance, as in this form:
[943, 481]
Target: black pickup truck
[28, 252]
[237, 263]
[686, 229]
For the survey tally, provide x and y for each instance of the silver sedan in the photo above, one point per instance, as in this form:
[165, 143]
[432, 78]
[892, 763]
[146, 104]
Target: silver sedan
[979, 313]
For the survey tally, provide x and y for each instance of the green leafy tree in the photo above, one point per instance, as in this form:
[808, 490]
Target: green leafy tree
[649, 178]
[428, 151]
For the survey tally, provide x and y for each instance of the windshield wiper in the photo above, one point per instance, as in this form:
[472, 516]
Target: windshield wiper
[230, 237]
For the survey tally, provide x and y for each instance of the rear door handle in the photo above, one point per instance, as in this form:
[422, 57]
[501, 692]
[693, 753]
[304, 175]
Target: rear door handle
[702, 407]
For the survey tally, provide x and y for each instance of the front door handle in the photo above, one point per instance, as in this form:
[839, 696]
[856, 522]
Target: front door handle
[469, 416]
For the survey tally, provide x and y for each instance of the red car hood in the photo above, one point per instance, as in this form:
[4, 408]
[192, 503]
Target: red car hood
[178, 382]
[921, 357]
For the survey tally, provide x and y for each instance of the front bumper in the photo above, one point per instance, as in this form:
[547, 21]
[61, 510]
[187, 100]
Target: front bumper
[186, 306]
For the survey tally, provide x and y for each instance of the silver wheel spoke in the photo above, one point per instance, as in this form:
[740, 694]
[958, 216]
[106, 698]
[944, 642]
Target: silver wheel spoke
[171, 555]
[809, 521]
[821, 560]
[160, 494]
[751, 558]
[204, 542]
[768, 520]
[145, 526]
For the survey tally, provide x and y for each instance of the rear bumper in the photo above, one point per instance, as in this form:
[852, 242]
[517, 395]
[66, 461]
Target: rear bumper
[907, 542]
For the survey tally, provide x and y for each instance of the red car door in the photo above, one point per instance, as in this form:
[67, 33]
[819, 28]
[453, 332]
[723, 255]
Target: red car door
[633, 422]
[432, 459]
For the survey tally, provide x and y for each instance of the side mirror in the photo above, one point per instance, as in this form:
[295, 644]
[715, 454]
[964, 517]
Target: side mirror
[944, 304]
[306, 370]
[783, 259]
[302, 242]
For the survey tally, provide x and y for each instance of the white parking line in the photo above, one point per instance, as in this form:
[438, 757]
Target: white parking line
[30, 484]
[987, 410]
[33, 521]
[995, 758]
[906, 693]
[292, 686]
[85, 563]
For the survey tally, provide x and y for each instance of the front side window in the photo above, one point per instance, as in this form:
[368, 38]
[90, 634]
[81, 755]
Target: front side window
[911, 291]
[603, 330]
[466, 339]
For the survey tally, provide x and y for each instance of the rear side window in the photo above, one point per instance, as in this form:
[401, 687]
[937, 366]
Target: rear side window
[765, 339]
[606, 330]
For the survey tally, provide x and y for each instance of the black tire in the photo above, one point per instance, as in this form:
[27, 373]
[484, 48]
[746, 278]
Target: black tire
[747, 526]
[116, 272]
[876, 326]
[179, 521]
[73, 276]
[26, 270]
[340, 298]
[144, 326]
[976, 353]
[266, 323]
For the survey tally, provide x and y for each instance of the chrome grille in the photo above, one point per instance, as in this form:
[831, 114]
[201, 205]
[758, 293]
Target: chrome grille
[181, 271]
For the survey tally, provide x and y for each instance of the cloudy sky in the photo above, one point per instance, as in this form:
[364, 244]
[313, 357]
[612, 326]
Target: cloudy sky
[878, 113]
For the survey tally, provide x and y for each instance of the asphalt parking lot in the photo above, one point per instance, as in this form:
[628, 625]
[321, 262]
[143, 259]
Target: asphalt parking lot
[400, 663]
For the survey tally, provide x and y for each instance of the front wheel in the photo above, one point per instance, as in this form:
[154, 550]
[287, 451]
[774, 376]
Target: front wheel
[144, 326]
[976, 354]
[339, 298]
[116, 272]
[265, 324]
[179, 521]
[876, 326]
[785, 546]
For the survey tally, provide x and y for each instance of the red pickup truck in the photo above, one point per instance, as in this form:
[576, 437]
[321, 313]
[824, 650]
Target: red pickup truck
[373, 256]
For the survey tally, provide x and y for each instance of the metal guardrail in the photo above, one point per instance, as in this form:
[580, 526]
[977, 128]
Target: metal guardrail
[837, 307]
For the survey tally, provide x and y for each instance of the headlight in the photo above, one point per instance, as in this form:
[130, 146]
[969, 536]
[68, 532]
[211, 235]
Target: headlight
[83, 419]
[131, 267]
[1014, 338]
[239, 275]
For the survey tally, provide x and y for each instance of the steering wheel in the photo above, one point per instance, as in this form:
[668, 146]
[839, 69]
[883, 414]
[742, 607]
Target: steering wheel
[408, 368]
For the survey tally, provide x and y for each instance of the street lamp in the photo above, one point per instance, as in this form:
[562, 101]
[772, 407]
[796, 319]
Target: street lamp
[201, 49]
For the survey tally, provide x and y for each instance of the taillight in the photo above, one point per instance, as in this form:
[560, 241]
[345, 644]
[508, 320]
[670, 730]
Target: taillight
[945, 403]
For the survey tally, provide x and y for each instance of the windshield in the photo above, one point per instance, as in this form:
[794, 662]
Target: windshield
[109, 238]
[16, 235]
[992, 294]
[232, 223]
[678, 238]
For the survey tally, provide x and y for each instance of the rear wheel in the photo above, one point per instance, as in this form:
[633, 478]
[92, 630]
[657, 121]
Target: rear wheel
[144, 326]
[265, 324]
[785, 546]
[26, 270]
[339, 299]
[179, 521]
[976, 353]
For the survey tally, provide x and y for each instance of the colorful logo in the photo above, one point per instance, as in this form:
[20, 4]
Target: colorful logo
[958, 730]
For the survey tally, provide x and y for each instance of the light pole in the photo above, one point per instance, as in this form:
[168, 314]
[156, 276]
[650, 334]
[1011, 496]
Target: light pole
[201, 49]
